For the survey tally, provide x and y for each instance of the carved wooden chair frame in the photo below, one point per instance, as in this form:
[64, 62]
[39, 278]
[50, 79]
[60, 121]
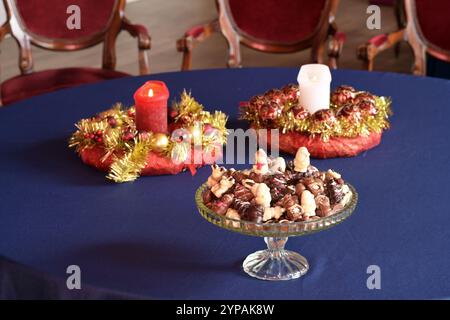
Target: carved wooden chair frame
[412, 34]
[117, 22]
[225, 24]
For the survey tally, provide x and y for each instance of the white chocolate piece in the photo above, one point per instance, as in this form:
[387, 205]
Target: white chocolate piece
[345, 189]
[260, 190]
[220, 188]
[233, 214]
[301, 161]
[277, 165]
[262, 194]
[347, 197]
[308, 203]
[273, 213]
[333, 174]
[216, 175]
[261, 165]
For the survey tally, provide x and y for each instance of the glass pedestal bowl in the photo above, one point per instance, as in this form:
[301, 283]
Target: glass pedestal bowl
[275, 262]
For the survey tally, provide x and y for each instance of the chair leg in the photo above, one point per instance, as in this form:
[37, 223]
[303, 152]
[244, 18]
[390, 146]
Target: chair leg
[234, 54]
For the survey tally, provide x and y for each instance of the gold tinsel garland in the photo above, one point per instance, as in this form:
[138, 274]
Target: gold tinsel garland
[115, 131]
[340, 127]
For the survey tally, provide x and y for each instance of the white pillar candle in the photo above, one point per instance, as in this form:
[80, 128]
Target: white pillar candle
[314, 86]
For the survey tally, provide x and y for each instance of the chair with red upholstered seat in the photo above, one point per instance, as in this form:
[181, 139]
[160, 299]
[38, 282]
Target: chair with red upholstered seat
[44, 23]
[276, 26]
[426, 31]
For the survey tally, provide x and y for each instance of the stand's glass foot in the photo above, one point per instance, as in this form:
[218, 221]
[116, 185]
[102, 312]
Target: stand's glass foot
[275, 263]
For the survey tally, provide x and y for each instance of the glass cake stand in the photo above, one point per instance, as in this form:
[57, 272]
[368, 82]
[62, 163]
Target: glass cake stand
[275, 263]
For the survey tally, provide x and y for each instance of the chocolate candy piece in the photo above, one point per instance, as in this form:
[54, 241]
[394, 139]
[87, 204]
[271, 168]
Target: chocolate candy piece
[239, 176]
[299, 188]
[323, 206]
[278, 186]
[294, 212]
[276, 181]
[242, 193]
[334, 191]
[257, 177]
[240, 206]
[227, 198]
[288, 201]
[255, 213]
[220, 207]
[315, 186]
[208, 196]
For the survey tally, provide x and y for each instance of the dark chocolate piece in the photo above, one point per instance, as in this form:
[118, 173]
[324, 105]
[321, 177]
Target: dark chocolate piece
[255, 213]
[242, 193]
[334, 191]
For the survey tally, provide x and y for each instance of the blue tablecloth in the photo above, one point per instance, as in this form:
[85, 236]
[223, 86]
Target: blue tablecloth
[146, 238]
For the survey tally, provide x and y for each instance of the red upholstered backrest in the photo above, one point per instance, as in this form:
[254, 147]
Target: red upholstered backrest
[48, 18]
[277, 20]
[434, 22]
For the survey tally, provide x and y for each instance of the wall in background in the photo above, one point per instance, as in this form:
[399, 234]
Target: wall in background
[2, 13]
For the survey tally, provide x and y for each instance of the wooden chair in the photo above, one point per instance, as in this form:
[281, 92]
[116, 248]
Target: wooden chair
[426, 31]
[43, 23]
[275, 26]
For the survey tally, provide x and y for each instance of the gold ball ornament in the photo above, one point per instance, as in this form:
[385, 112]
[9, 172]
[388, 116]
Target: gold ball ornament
[159, 141]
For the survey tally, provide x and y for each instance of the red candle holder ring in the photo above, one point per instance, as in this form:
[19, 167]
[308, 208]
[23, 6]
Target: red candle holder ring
[354, 122]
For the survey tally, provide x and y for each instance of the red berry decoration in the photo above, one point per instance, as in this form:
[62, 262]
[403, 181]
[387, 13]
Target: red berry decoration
[173, 113]
[342, 95]
[367, 107]
[277, 97]
[350, 112]
[257, 101]
[364, 97]
[325, 116]
[270, 111]
[112, 121]
[127, 136]
[300, 113]
[291, 92]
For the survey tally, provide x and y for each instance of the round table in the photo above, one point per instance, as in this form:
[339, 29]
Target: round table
[146, 238]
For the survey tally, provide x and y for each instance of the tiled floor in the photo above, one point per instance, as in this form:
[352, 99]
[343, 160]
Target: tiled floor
[167, 20]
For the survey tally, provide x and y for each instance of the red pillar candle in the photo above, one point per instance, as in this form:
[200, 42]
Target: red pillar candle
[151, 107]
